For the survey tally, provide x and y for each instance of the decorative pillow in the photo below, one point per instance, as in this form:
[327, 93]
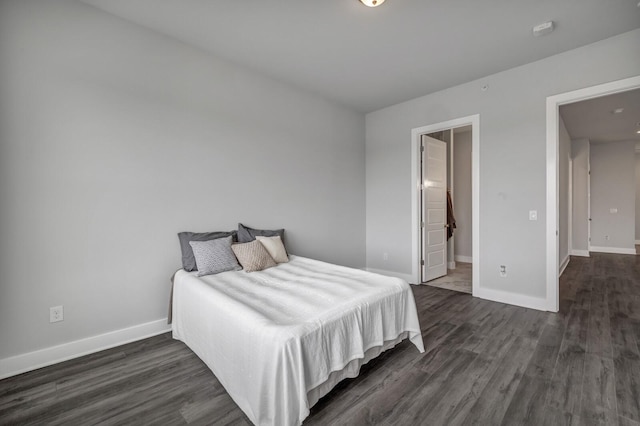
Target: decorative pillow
[253, 256]
[214, 256]
[275, 248]
[188, 261]
[246, 234]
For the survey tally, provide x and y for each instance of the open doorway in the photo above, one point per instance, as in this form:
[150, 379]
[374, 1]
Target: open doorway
[438, 260]
[601, 140]
[598, 237]
[446, 212]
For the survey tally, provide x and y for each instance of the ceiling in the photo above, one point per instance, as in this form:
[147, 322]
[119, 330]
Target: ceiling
[370, 58]
[595, 120]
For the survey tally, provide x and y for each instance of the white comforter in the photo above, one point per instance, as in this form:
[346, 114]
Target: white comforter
[272, 336]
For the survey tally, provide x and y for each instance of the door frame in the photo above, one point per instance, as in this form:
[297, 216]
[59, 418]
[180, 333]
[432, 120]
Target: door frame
[416, 133]
[552, 214]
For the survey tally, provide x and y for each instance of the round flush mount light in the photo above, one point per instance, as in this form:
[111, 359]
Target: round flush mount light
[372, 3]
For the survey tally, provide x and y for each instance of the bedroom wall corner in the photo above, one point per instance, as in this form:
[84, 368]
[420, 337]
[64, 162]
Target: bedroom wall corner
[114, 138]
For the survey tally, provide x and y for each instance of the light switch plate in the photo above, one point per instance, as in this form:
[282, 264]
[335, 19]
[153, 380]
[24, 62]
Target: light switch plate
[533, 214]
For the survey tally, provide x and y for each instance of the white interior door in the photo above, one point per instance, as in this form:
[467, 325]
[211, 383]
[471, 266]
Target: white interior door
[434, 208]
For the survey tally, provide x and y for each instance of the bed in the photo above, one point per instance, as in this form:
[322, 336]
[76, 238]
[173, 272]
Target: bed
[280, 339]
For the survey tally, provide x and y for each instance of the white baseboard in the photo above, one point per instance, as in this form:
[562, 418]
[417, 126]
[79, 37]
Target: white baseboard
[407, 277]
[464, 259]
[511, 298]
[564, 265]
[637, 242]
[614, 250]
[41, 358]
[581, 253]
[451, 265]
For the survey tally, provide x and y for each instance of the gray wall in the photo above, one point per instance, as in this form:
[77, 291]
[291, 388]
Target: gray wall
[512, 160]
[613, 185]
[462, 193]
[115, 138]
[637, 197]
[580, 219]
[564, 156]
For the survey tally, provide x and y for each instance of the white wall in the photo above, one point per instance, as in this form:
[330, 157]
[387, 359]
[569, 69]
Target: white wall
[114, 138]
[462, 193]
[564, 156]
[637, 197]
[613, 186]
[512, 163]
[580, 203]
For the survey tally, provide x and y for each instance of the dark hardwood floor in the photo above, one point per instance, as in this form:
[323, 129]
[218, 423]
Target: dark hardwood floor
[485, 363]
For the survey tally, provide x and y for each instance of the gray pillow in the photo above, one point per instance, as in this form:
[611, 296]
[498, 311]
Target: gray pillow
[188, 261]
[214, 256]
[246, 234]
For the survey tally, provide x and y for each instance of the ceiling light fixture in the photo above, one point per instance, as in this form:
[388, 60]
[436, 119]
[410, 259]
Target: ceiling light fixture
[372, 3]
[617, 110]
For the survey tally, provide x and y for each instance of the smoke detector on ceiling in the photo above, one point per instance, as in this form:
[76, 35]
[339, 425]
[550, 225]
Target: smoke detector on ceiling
[542, 29]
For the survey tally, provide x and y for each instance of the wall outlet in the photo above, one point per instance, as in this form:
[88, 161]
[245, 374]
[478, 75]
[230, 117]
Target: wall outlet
[533, 214]
[503, 271]
[56, 313]
[385, 256]
[606, 237]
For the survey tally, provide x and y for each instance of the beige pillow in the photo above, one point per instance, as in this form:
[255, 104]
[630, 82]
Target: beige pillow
[253, 256]
[275, 247]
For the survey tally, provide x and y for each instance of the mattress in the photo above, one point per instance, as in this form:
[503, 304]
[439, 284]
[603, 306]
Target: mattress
[281, 338]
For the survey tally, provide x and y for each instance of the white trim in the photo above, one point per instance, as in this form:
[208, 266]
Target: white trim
[451, 265]
[407, 277]
[615, 250]
[513, 298]
[463, 259]
[474, 121]
[588, 194]
[570, 206]
[553, 128]
[581, 253]
[553, 114]
[637, 242]
[52, 355]
[564, 265]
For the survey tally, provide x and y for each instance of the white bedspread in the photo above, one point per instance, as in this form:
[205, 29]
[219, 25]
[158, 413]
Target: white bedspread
[272, 336]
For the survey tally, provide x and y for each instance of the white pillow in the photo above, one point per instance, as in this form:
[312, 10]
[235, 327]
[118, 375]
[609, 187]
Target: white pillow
[275, 247]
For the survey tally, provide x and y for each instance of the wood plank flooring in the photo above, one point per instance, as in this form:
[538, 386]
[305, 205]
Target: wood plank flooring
[486, 363]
